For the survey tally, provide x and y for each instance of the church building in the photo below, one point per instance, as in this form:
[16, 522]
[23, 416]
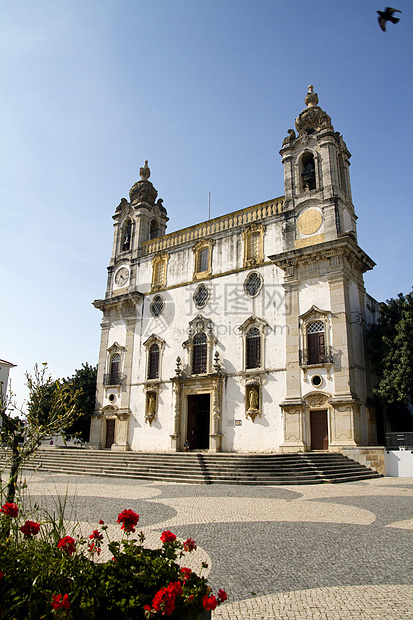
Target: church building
[247, 332]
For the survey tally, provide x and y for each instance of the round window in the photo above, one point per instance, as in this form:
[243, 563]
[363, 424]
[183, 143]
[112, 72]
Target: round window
[253, 284]
[112, 397]
[157, 305]
[316, 380]
[201, 296]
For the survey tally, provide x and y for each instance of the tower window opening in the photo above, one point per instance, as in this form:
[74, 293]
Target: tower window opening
[308, 172]
[155, 231]
[114, 374]
[126, 237]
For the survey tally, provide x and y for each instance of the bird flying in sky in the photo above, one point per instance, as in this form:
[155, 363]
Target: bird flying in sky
[387, 16]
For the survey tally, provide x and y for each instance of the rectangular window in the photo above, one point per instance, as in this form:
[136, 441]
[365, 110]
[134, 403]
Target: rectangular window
[159, 275]
[253, 346]
[203, 259]
[316, 348]
[253, 245]
[199, 360]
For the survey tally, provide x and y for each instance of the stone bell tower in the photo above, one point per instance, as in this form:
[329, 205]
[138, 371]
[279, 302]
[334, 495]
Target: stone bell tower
[139, 220]
[328, 385]
[316, 178]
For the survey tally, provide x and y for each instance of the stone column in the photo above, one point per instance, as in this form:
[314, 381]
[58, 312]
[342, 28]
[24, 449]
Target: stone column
[215, 434]
[176, 435]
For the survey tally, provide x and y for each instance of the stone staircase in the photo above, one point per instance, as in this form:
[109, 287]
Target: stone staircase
[202, 467]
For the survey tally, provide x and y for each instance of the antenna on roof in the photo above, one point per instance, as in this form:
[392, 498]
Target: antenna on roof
[209, 205]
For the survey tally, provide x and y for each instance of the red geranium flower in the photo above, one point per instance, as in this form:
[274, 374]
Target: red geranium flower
[10, 509]
[67, 544]
[60, 600]
[186, 573]
[129, 519]
[96, 535]
[209, 602]
[168, 537]
[101, 522]
[1, 574]
[189, 545]
[164, 600]
[30, 528]
[222, 596]
[92, 548]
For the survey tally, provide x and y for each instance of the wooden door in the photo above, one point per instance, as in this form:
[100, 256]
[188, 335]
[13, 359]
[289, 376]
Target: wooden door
[319, 430]
[110, 433]
[198, 421]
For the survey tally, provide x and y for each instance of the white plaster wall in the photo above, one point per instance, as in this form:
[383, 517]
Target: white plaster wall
[399, 463]
[314, 292]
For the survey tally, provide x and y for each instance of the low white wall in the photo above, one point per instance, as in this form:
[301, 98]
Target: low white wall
[399, 463]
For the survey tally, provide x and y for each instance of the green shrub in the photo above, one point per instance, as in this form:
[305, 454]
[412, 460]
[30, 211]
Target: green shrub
[44, 574]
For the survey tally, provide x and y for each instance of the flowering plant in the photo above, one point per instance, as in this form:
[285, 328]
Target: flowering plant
[45, 573]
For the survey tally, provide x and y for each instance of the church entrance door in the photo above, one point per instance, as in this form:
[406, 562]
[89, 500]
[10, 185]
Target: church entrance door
[110, 433]
[198, 421]
[319, 430]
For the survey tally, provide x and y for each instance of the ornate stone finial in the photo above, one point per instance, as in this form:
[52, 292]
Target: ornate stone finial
[311, 98]
[217, 362]
[178, 369]
[145, 172]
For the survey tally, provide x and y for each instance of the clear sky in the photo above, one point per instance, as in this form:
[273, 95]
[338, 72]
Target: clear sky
[205, 90]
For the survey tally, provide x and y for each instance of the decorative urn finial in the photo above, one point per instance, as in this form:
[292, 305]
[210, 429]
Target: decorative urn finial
[311, 98]
[145, 172]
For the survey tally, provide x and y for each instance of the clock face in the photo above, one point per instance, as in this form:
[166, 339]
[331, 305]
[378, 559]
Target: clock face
[122, 276]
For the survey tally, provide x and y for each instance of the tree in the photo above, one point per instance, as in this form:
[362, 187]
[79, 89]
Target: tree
[391, 352]
[51, 409]
[83, 382]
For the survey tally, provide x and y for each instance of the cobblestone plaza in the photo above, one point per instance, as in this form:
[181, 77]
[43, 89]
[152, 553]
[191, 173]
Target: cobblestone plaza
[287, 552]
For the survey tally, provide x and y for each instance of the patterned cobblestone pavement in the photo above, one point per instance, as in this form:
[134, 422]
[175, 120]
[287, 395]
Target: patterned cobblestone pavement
[317, 552]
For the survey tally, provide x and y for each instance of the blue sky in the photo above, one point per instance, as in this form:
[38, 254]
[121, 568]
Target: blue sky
[206, 92]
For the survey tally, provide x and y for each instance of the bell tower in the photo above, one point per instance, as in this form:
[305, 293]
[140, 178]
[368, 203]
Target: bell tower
[316, 178]
[139, 220]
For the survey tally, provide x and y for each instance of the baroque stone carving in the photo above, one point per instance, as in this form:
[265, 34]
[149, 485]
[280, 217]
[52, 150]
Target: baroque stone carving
[313, 118]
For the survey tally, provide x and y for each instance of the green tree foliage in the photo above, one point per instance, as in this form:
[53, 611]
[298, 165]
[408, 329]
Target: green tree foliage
[391, 352]
[51, 409]
[83, 382]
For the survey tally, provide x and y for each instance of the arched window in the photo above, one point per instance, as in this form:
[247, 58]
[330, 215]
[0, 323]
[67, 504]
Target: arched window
[126, 235]
[199, 359]
[153, 366]
[155, 230]
[253, 348]
[308, 172]
[114, 373]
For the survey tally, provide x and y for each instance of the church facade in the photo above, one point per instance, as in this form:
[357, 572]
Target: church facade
[245, 333]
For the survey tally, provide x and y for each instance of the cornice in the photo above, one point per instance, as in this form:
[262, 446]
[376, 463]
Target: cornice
[344, 246]
[119, 302]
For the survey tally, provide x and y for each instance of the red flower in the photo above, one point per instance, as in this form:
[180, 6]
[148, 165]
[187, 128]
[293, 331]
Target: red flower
[186, 573]
[222, 596]
[10, 510]
[96, 535]
[92, 548]
[60, 600]
[189, 545]
[209, 602]
[67, 544]
[164, 600]
[1, 574]
[30, 528]
[101, 522]
[168, 537]
[129, 519]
